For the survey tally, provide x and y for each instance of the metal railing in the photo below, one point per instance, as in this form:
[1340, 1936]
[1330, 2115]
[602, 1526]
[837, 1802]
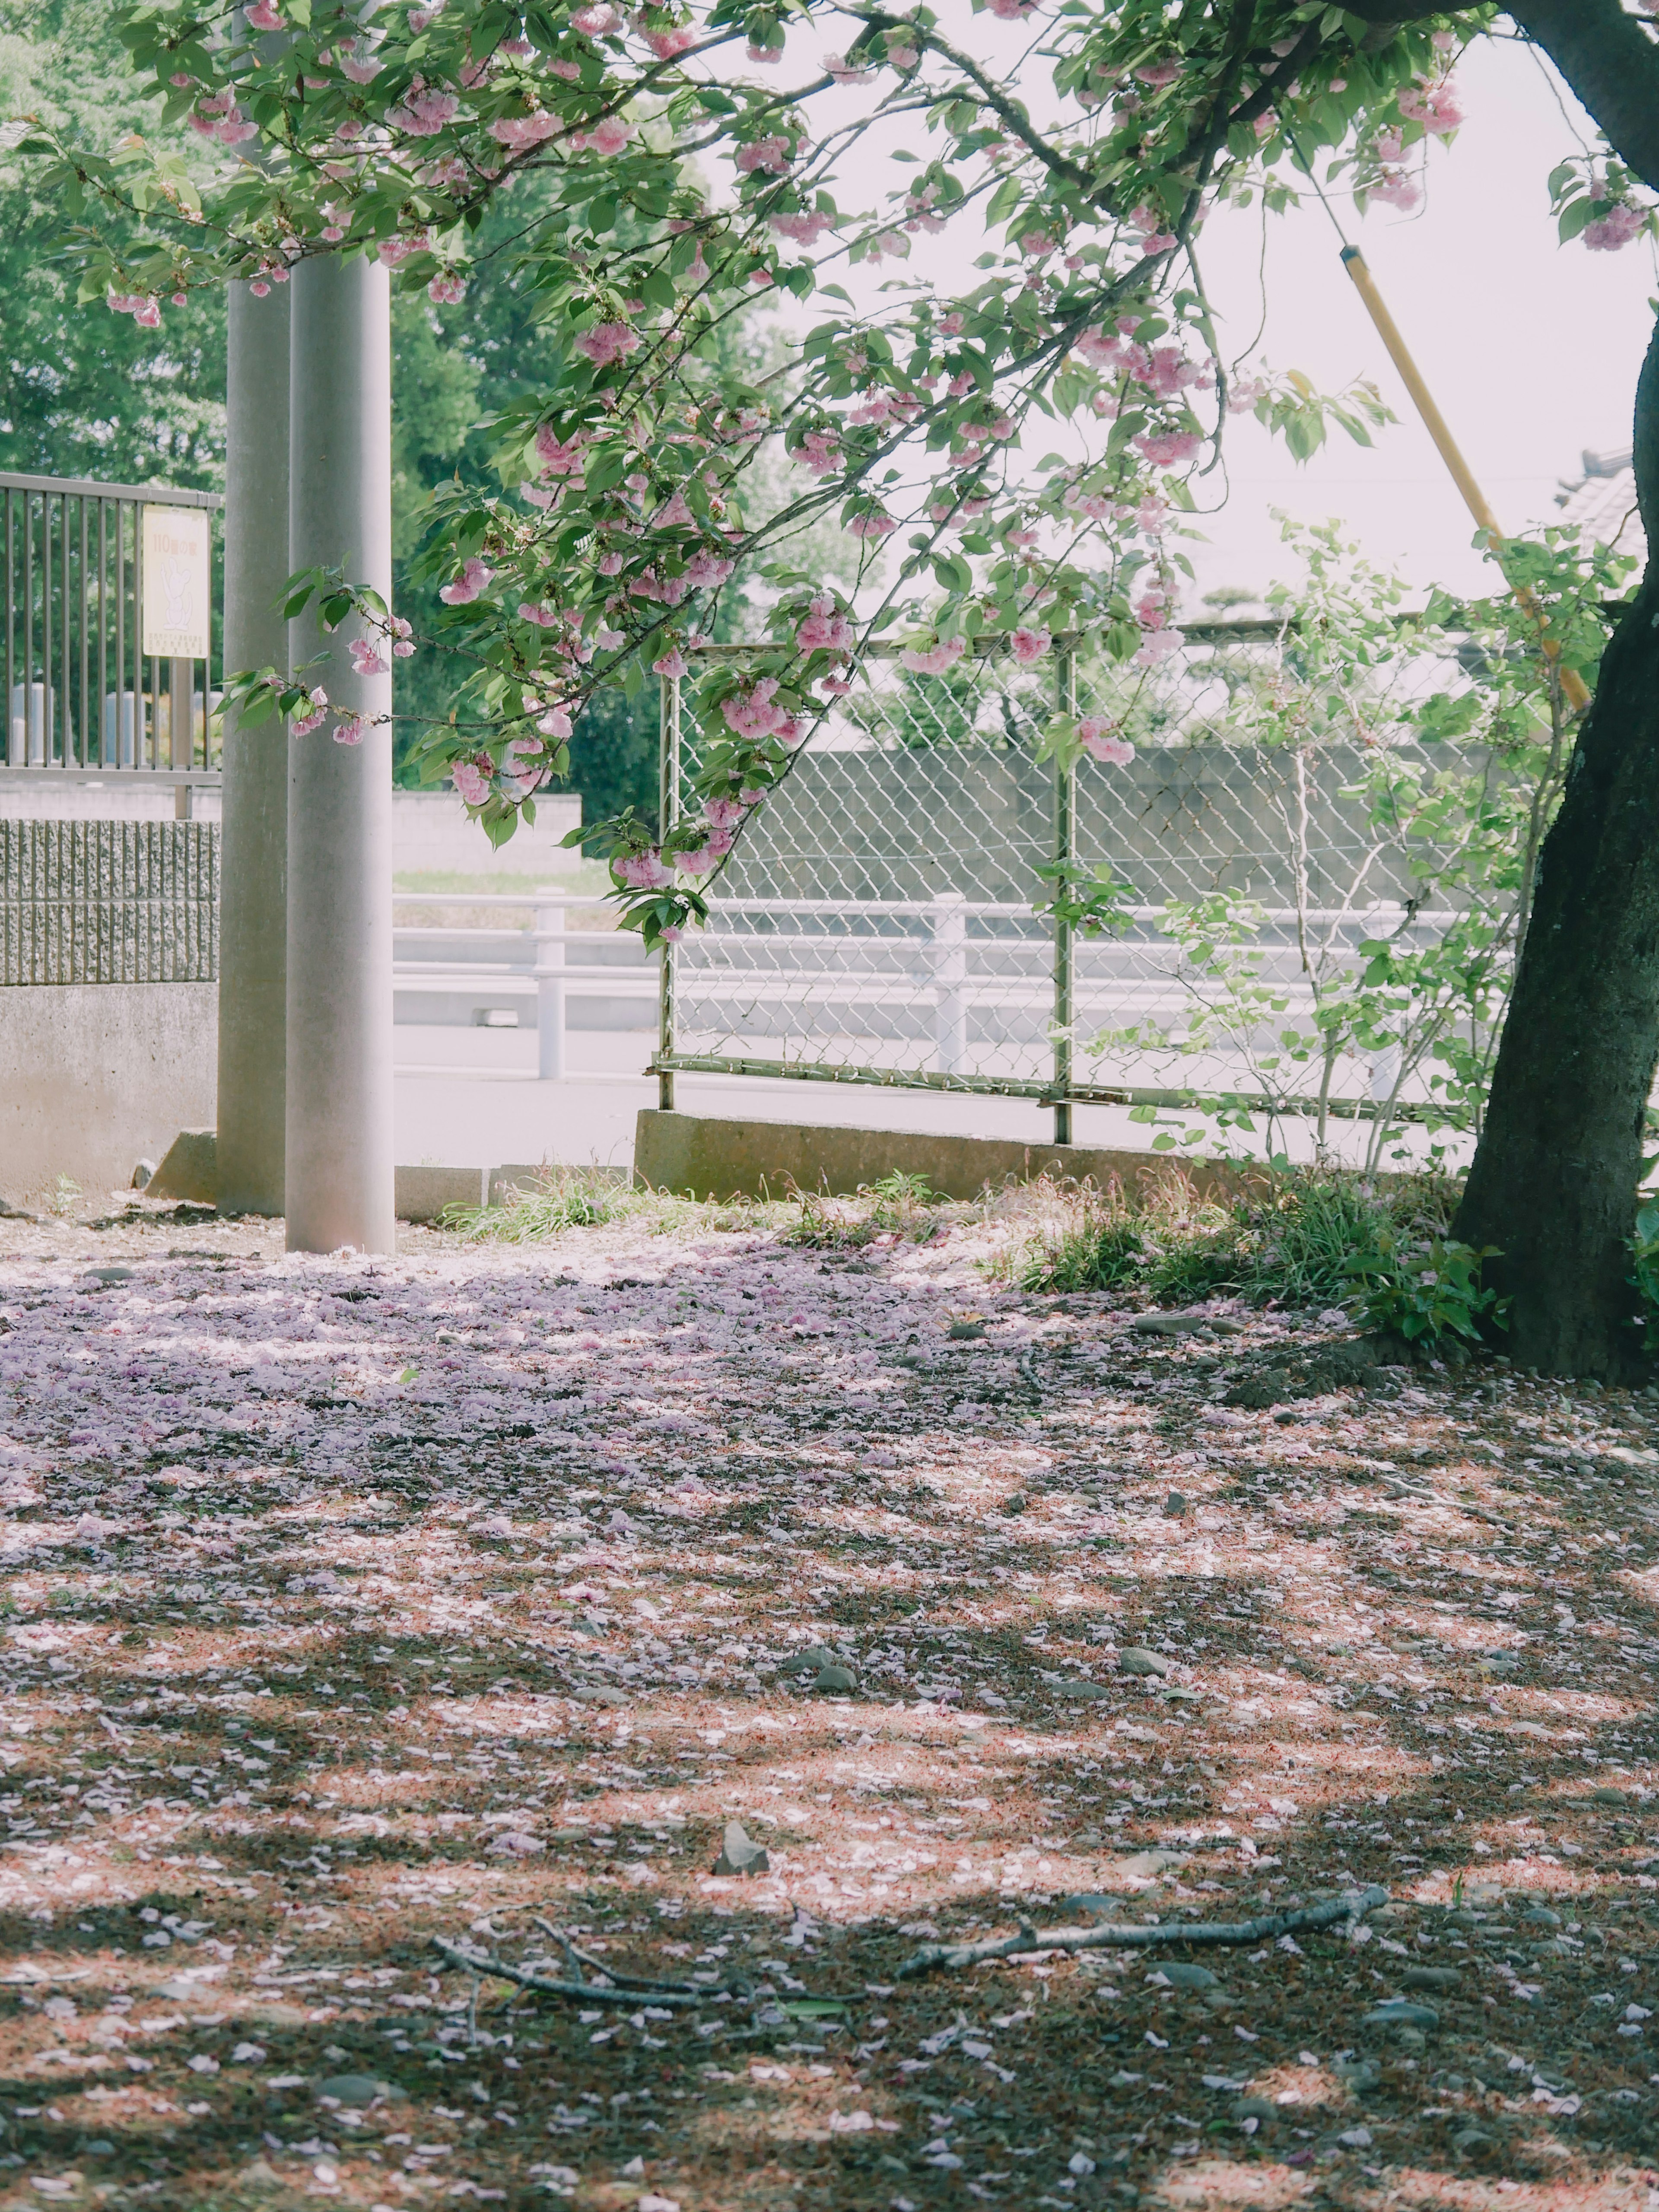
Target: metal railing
[553, 977]
[885, 920]
[81, 691]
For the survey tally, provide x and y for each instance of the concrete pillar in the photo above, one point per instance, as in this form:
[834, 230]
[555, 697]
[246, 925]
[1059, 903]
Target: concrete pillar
[339, 1163]
[254, 850]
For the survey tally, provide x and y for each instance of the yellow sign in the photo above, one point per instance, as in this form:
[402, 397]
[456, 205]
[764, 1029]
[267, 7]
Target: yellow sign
[178, 582]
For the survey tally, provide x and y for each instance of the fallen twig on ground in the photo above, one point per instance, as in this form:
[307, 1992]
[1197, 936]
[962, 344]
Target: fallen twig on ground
[1123, 1936]
[585, 1992]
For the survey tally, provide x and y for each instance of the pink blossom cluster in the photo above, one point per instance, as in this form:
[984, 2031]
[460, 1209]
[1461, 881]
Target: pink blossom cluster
[608, 341]
[707, 572]
[471, 778]
[1149, 220]
[313, 713]
[666, 45]
[351, 729]
[447, 288]
[554, 723]
[1167, 448]
[264, 16]
[872, 523]
[805, 228]
[361, 67]
[1099, 738]
[515, 133]
[217, 116]
[367, 658]
[394, 252]
[144, 307]
[755, 713]
[474, 578]
[1623, 222]
[560, 456]
[1437, 107]
[845, 72]
[824, 628]
[608, 136]
[423, 111]
[774, 154]
[1011, 11]
[1028, 645]
[818, 452]
[933, 659]
[641, 872]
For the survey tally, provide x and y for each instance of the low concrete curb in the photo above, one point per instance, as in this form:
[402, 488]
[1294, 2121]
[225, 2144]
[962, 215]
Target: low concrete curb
[699, 1157]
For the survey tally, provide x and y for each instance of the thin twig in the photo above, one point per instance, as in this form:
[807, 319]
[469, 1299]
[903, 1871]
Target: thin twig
[617, 1974]
[1138, 1935]
[582, 1992]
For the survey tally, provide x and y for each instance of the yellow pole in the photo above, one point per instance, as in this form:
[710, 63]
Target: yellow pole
[1573, 689]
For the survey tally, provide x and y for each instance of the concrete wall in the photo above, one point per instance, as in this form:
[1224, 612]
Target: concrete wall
[431, 834]
[95, 1076]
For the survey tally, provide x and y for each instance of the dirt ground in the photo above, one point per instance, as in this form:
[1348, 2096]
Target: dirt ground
[354, 1606]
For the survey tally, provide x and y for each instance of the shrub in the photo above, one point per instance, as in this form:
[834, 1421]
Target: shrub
[1425, 1288]
[558, 1199]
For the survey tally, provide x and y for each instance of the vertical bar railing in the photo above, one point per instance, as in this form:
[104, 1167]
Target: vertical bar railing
[78, 691]
[668, 795]
[1063, 851]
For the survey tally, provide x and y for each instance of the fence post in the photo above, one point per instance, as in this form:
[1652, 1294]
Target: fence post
[950, 981]
[668, 810]
[550, 988]
[1064, 850]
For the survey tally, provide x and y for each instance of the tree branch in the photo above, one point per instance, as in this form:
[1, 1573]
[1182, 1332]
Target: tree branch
[1610, 60]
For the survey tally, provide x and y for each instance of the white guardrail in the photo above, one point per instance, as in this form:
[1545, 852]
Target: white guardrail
[745, 962]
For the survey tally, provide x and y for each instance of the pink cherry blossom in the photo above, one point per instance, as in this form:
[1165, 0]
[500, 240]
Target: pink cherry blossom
[312, 715]
[360, 68]
[367, 658]
[1437, 107]
[263, 16]
[1099, 738]
[423, 111]
[471, 782]
[608, 341]
[1011, 11]
[1029, 645]
[666, 45]
[597, 22]
[706, 571]
[770, 154]
[609, 134]
[447, 289]
[546, 617]
[872, 525]
[818, 452]
[1395, 189]
[1165, 449]
[671, 663]
[517, 131]
[933, 659]
[472, 579]
[823, 628]
[641, 872]
[723, 813]
[349, 729]
[1622, 223]
[752, 714]
[805, 229]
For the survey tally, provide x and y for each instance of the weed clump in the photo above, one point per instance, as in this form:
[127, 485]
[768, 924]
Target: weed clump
[1299, 1240]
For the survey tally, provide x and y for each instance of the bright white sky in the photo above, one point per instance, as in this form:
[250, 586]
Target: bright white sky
[1532, 349]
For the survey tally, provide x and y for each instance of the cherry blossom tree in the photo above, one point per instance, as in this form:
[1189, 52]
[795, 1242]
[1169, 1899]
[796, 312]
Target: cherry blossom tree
[1011, 449]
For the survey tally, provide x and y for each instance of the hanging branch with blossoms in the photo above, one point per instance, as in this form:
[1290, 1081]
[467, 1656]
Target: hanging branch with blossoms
[690, 159]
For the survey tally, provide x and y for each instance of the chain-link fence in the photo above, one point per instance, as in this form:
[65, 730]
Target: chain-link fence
[884, 919]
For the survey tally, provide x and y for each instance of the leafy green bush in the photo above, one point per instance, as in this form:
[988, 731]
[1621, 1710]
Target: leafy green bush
[1425, 1288]
[1296, 1242]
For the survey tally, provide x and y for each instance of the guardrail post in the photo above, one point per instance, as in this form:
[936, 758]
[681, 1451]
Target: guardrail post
[550, 989]
[1064, 850]
[668, 782]
[950, 924]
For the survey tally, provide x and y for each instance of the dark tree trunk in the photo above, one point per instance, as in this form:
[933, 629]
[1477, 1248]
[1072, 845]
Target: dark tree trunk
[1553, 1181]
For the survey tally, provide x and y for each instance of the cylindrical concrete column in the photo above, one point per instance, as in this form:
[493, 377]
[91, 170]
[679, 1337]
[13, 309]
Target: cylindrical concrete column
[254, 842]
[339, 1164]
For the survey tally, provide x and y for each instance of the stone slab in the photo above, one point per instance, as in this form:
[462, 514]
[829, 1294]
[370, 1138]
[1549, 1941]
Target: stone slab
[702, 1157]
[189, 1168]
[421, 1193]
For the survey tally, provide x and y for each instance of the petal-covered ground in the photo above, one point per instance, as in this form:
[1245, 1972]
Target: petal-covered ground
[354, 1608]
